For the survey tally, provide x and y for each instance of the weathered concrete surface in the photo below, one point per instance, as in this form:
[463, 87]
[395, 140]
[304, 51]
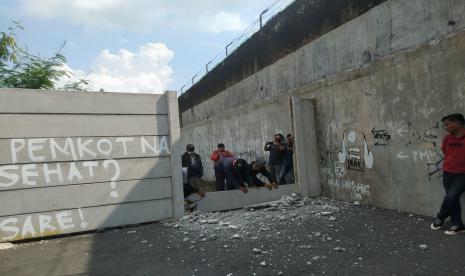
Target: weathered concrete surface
[380, 83]
[231, 200]
[296, 241]
[73, 162]
[300, 23]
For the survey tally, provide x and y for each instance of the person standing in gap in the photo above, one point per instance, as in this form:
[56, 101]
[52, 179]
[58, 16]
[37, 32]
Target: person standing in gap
[276, 158]
[453, 147]
[192, 172]
[286, 175]
[234, 171]
[216, 156]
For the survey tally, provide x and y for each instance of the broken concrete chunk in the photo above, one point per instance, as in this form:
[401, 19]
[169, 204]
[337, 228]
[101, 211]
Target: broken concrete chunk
[6, 245]
[423, 247]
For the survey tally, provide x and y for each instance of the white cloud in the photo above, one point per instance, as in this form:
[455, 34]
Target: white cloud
[221, 22]
[204, 15]
[146, 70]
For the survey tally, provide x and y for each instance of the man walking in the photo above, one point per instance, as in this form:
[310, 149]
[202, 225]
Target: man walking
[453, 147]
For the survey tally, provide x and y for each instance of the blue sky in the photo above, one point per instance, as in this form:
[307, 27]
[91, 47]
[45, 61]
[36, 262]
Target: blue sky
[134, 45]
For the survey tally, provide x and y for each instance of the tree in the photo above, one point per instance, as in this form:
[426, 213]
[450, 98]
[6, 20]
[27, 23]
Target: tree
[20, 69]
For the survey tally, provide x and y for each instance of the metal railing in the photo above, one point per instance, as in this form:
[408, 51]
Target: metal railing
[265, 15]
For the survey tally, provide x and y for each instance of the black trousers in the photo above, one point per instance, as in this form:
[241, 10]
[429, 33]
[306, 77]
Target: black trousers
[454, 184]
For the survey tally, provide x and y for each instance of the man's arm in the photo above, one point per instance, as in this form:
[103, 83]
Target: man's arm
[214, 157]
[268, 146]
[271, 178]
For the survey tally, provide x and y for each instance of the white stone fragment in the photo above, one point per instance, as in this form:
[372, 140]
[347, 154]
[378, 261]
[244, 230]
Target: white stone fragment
[423, 247]
[6, 245]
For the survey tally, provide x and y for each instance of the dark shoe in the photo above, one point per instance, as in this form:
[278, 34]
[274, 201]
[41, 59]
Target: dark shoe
[454, 230]
[437, 224]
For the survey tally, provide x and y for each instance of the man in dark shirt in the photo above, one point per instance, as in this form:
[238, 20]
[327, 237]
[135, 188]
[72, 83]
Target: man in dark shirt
[231, 170]
[255, 168]
[286, 175]
[277, 150]
[453, 147]
[192, 164]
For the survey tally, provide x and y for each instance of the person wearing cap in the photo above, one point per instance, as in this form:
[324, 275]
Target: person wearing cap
[192, 171]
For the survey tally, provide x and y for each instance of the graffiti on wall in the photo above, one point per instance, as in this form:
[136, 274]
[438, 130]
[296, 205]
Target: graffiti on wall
[381, 137]
[422, 146]
[38, 225]
[40, 162]
[358, 190]
[355, 153]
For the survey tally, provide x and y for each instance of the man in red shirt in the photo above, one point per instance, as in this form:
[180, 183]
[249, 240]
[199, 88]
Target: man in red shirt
[453, 147]
[219, 153]
[220, 176]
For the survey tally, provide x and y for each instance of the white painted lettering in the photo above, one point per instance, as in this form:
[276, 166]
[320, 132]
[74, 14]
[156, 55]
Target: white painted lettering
[9, 225]
[91, 165]
[11, 177]
[164, 147]
[16, 145]
[34, 145]
[44, 224]
[74, 172]
[67, 149]
[65, 221]
[123, 141]
[82, 148]
[145, 144]
[105, 150]
[28, 228]
[48, 172]
[27, 171]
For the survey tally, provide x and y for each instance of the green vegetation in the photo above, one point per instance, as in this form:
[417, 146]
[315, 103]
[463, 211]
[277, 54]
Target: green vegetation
[21, 69]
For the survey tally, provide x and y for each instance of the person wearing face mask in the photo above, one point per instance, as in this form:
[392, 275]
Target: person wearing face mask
[277, 150]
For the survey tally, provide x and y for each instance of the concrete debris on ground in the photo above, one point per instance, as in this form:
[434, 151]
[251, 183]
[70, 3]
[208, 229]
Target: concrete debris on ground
[253, 220]
[291, 236]
[6, 245]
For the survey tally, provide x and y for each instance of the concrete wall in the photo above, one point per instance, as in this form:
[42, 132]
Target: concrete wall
[72, 162]
[382, 80]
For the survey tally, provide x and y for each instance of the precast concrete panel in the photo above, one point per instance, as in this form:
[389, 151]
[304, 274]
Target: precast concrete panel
[73, 162]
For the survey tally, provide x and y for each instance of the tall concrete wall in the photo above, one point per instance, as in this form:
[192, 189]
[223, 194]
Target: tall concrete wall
[73, 162]
[380, 82]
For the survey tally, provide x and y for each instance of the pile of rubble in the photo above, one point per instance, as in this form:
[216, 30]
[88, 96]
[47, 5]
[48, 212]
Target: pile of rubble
[250, 221]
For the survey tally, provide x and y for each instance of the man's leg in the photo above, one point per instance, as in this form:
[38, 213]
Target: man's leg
[454, 185]
[457, 189]
[219, 180]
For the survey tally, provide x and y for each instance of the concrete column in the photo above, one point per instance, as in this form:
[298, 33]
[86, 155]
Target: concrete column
[305, 147]
[175, 138]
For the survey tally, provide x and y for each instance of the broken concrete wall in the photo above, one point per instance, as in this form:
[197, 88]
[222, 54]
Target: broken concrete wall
[381, 83]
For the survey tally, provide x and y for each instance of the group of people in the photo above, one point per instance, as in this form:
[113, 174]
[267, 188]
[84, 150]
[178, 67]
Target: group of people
[233, 173]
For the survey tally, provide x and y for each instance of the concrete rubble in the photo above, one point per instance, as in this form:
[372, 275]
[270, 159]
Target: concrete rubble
[253, 220]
